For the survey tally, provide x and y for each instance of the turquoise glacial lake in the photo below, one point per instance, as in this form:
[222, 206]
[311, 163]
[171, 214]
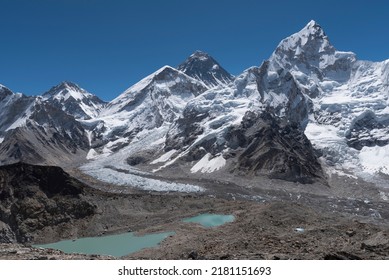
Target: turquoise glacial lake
[114, 245]
[210, 220]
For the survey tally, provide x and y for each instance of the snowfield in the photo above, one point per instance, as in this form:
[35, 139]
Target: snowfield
[208, 164]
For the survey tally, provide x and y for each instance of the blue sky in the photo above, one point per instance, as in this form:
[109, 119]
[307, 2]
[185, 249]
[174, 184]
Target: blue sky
[106, 46]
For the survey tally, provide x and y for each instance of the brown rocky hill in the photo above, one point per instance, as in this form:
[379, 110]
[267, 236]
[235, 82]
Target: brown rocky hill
[34, 197]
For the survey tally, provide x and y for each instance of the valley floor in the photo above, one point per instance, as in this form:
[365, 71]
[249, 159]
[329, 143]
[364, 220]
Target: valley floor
[271, 223]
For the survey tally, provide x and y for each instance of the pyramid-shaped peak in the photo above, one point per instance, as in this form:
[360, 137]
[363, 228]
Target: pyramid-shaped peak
[199, 57]
[69, 85]
[309, 47]
[63, 88]
[203, 67]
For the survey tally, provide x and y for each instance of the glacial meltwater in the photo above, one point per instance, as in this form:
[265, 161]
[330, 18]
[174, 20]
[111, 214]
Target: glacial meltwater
[114, 245]
[210, 220]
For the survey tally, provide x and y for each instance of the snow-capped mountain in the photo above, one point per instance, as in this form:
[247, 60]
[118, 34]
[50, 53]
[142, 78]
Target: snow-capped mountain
[4, 92]
[48, 136]
[203, 67]
[205, 130]
[168, 89]
[339, 102]
[36, 129]
[74, 100]
[349, 118]
[155, 101]
[15, 108]
[308, 107]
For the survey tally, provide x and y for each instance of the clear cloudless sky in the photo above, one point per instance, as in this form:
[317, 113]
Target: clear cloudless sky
[107, 46]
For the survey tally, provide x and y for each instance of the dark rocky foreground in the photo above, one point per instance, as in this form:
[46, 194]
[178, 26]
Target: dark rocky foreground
[44, 204]
[36, 197]
[276, 231]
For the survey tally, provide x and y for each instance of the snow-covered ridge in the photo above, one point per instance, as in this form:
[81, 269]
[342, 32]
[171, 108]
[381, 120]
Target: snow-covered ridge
[164, 78]
[74, 100]
[156, 100]
[15, 109]
[342, 103]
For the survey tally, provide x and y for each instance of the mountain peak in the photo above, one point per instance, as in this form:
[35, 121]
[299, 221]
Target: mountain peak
[4, 91]
[74, 100]
[312, 28]
[163, 74]
[312, 24]
[200, 55]
[70, 85]
[205, 68]
[308, 46]
[64, 88]
[165, 69]
[312, 38]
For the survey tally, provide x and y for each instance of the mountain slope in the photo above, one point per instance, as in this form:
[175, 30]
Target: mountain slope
[155, 101]
[43, 129]
[49, 136]
[14, 110]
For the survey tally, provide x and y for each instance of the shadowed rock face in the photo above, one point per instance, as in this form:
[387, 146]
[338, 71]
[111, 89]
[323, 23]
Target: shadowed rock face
[35, 197]
[203, 67]
[360, 133]
[13, 107]
[280, 150]
[50, 136]
[4, 92]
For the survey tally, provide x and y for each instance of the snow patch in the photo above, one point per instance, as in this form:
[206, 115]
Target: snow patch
[92, 154]
[322, 134]
[165, 157]
[375, 159]
[330, 171]
[207, 165]
[384, 196]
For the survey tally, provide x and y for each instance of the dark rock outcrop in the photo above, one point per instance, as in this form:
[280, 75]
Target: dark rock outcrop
[264, 145]
[361, 132]
[205, 68]
[35, 197]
